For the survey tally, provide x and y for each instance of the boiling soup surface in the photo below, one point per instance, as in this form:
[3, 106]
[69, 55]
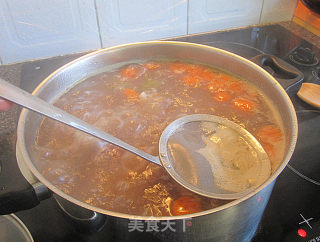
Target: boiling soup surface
[135, 103]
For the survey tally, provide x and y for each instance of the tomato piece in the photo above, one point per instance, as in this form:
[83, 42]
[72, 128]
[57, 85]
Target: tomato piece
[186, 205]
[130, 94]
[236, 87]
[269, 134]
[217, 86]
[243, 104]
[152, 66]
[201, 72]
[208, 75]
[178, 67]
[5, 105]
[130, 72]
[269, 148]
[195, 70]
[222, 96]
[191, 80]
[224, 78]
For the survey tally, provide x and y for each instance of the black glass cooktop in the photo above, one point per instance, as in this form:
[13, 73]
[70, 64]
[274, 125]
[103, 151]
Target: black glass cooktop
[293, 212]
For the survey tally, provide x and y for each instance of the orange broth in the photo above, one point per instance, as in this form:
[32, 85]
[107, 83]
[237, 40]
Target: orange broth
[135, 103]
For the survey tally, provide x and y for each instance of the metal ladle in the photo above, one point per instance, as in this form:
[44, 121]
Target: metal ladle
[208, 155]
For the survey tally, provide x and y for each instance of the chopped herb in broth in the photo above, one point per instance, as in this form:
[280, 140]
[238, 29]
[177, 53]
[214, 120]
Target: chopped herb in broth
[135, 103]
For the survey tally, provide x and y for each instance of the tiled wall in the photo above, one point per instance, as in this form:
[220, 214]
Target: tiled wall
[43, 28]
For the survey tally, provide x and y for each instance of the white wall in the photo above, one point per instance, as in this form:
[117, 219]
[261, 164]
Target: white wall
[124, 21]
[277, 10]
[206, 15]
[36, 29]
[42, 28]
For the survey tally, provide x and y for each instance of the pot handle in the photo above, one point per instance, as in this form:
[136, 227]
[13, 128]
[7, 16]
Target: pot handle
[16, 193]
[286, 74]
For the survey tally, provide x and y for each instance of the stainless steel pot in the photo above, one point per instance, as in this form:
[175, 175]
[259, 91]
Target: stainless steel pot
[235, 221]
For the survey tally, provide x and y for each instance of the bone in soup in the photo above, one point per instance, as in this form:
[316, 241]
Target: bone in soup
[135, 103]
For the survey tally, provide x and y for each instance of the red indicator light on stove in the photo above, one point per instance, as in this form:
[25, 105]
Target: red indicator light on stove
[259, 199]
[302, 233]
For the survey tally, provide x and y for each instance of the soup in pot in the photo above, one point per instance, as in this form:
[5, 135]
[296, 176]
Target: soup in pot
[135, 103]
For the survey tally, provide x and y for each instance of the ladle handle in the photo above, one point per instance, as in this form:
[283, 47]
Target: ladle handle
[25, 99]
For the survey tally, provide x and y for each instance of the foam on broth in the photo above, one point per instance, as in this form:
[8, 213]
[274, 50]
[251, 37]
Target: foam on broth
[135, 103]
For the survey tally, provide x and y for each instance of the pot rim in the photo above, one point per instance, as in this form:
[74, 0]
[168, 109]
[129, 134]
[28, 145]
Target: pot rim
[42, 179]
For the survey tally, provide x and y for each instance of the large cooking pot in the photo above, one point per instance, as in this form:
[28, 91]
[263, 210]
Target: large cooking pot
[234, 221]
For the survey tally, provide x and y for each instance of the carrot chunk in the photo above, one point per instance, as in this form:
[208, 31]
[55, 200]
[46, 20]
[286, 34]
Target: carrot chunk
[130, 94]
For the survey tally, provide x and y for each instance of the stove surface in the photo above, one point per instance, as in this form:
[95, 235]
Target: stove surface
[293, 212]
